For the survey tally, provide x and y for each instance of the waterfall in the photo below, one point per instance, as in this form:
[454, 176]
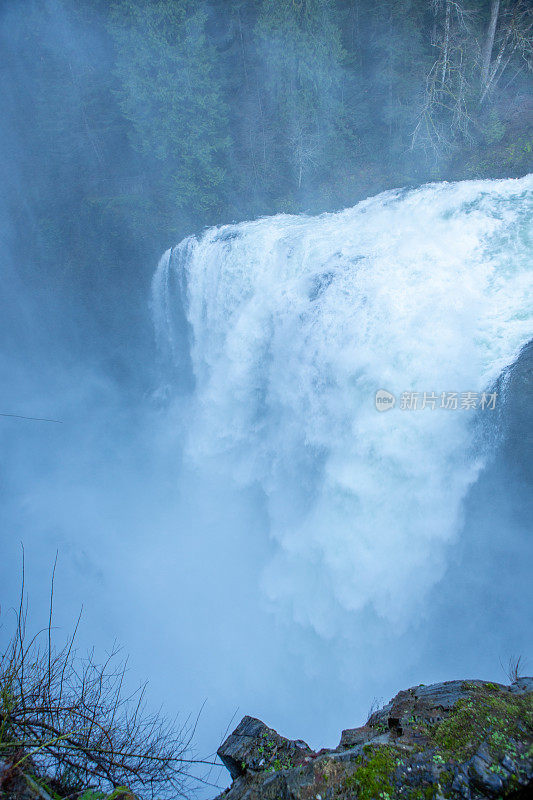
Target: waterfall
[290, 325]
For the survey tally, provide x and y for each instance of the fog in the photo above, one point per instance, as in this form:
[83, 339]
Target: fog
[225, 501]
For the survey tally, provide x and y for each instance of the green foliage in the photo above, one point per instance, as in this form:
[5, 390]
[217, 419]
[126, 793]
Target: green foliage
[492, 714]
[170, 94]
[145, 121]
[121, 792]
[92, 794]
[299, 45]
[493, 129]
[373, 778]
[273, 760]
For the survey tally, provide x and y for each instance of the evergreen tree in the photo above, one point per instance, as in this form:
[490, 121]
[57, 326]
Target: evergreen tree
[399, 52]
[171, 96]
[301, 61]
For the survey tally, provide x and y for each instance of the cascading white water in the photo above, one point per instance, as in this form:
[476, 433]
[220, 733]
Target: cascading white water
[294, 324]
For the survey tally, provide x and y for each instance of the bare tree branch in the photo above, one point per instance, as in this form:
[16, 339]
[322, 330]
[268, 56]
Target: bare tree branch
[71, 719]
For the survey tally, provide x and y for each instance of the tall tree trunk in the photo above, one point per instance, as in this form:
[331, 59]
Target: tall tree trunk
[489, 43]
[446, 41]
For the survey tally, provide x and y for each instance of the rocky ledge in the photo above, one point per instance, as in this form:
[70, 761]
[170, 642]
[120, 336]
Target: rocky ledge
[465, 740]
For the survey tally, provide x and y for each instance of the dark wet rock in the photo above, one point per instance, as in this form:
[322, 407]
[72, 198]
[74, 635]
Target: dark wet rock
[253, 746]
[422, 703]
[509, 764]
[353, 736]
[483, 778]
[461, 784]
[354, 753]
[462, 740]
[34, 790]
[16, 784]
[522, 685]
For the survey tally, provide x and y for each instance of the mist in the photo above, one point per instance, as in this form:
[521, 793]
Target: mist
[225, 500]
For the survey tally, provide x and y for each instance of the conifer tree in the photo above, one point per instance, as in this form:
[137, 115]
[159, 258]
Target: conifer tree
[170, 94]
[299, 46]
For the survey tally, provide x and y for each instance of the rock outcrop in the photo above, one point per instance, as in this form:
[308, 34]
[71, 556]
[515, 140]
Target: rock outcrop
[252, 746]
[466, 740]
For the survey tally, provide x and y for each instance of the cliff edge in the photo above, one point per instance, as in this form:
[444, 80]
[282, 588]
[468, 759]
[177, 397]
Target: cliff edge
[463, 740]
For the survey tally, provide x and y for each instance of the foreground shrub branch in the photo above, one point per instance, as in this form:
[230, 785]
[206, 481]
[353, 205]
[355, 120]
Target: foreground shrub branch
[71, 720]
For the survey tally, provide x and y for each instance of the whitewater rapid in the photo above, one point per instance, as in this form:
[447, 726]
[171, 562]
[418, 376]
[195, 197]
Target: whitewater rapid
[289, 325]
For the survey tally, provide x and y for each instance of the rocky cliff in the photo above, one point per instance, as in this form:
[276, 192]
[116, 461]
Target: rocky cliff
[465, 740]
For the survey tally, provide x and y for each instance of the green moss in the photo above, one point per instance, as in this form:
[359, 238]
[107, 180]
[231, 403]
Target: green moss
[40, 787]
[121, 792]
[275, 763]
[469, 686]
[279, 764]
[93, 794]
[491, 714]
[428, 792]
[372, 780]
[381, 727]
[445, 777]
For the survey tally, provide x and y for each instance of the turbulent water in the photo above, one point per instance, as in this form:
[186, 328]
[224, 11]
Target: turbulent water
[282, 330]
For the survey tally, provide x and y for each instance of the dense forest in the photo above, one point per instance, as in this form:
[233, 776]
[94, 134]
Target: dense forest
[149, 119]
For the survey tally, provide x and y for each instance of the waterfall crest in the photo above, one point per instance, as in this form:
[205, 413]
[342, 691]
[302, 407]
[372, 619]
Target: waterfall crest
[291, 324]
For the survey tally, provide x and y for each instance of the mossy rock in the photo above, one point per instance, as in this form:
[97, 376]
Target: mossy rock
[460, 739]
